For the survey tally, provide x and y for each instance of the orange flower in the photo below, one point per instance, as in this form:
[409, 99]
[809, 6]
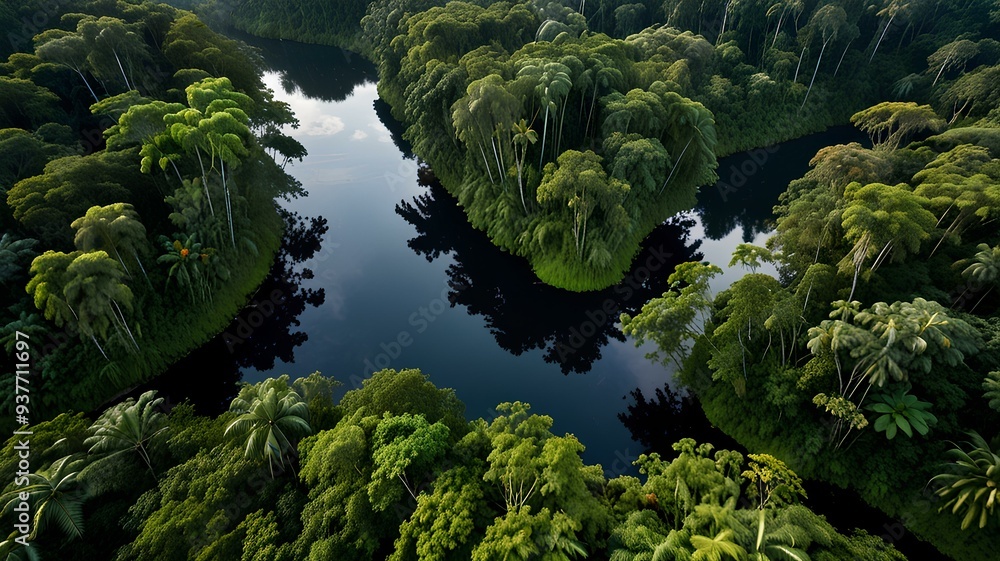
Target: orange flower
[185, 252]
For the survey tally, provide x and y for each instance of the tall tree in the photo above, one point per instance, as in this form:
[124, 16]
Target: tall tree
[114, 226]
[830, 20]
[95, 290]
[578, 183]
[524, 135]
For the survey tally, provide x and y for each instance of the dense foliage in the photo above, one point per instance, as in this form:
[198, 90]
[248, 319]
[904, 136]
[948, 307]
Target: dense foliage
[395, 471]
[140, 156]
[875, 349]
[507, 101]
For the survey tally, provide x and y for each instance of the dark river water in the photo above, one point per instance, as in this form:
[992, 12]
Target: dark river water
[380, 269]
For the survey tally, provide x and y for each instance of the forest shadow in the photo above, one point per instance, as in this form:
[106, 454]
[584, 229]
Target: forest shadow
[522, 313]
[262, 332]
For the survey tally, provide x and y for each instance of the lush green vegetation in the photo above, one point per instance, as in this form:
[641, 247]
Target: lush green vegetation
[394, 470]
[140, 156]
[507, 101]
[871, 361]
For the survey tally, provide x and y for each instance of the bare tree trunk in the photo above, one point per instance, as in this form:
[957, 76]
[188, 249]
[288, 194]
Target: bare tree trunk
[815, 70]
[842, 55]
[875, 50]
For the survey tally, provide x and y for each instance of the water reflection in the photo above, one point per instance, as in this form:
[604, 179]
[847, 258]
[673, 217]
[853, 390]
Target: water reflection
[521, 312]
[750, 182]
[263, 331]
[667, 417]
[395, 128]
[317, 71]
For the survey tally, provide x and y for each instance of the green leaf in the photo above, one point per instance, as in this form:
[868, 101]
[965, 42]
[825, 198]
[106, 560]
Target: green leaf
[904, 425]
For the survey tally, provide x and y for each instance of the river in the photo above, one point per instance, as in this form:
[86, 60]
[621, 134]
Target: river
[393, 276]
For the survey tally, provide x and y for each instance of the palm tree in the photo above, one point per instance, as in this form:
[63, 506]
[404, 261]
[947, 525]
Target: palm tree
[191, 265]
[553, 85]
[55, 496]
[523, 136]
[984, 269]
[972, 481]
[130, 425]
[269, 422]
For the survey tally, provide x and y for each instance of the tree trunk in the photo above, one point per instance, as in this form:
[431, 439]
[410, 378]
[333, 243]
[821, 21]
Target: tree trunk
[125, 324]
[545, 129]
[122, 261]
[677, 164]
[815, 70]
[725, 16]
[799, 65]
[943, 64]
[981, 300]
[122, 69]
[141, 268]
[562, 120]
[781, 18]
[842, 55]
[91, 90]
[229, 207]
[884, 31]
[94, 339]
[204, 180]
[486, 161]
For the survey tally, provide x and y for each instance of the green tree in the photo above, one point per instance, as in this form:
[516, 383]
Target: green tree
[882, 220]
[114, 226]
[524, 135]
[984, 269]
[991, 387]
[953, 55]
[679, 316]
[269, 423]
[95, 290]
[772, 483]
[829, 20]
[889, 123]
[129, 427]
[402, 444]
[66, 49]
[192, 266]
[552, 85]
[56, 498]
[751, 256]
[14, 254]
[110, 38]
[578, 183]
[48, 280]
